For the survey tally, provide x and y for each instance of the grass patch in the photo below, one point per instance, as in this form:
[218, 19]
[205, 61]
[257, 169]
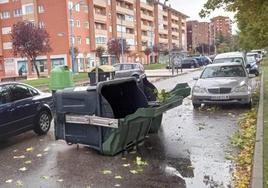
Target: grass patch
[154, 66]
[42, 82]
[265, 118]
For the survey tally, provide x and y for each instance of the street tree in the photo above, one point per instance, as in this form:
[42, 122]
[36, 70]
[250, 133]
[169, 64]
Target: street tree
[251, 17]
[29, 41]
[99, 52]
[147, 52]
[117, 46]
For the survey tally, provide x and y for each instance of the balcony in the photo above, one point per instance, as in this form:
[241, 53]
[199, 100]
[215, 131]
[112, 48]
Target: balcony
[124, 10]
[101, 32]
[128, 35]
[147, 17]
[101, 3]
[175, 25]
[147, 27]
[100, 17]
[147, 6]
[126, 23]
[163, 31]
[163, 40]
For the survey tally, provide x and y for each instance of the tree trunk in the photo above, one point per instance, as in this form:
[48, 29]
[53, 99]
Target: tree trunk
[35, 66]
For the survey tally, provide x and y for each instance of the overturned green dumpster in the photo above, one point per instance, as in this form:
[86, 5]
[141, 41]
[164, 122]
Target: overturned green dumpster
[112, 116]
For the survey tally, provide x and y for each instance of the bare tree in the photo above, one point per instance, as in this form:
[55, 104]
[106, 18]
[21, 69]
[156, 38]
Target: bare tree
[30, 41]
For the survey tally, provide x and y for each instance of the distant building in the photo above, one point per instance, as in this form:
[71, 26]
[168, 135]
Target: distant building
[197, 33]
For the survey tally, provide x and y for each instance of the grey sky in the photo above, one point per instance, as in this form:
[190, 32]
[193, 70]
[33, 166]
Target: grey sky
[192, 7]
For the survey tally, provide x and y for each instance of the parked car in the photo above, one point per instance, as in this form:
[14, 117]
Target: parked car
[23, 108]
[252, 65]
[202, 60]
[222, 83]
[190, 63]
[256, 55]
[128, 69]
[230, 57]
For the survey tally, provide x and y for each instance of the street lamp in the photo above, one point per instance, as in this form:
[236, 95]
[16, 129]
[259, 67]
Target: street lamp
[71, 30]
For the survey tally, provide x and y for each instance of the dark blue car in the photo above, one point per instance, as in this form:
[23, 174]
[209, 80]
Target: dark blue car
[23, 108]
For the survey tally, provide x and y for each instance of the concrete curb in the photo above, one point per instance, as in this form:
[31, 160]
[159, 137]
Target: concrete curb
[257, 172]
[172, 76]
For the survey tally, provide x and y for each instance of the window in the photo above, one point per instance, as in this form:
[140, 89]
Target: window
[87, 40]
[121, 28]
[77, 7]
[129, 18]
[28, 9]
[4, 95]
[130, 42]
[78, 23]
[7, 45]
[18, 12]
[41, 9]
[72, 22]
[6, 30]
[19, 92]
[85, 7]
[78, 39]
[101, 40]
[70, 4]
[5, 15]
[86, 24]
[41, 24]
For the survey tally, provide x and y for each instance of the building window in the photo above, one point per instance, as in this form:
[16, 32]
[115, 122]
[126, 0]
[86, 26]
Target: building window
[78, 23]
[87, 40]
[101, 40]
[70, 5]
[28, 9]
[41, 9]
[121, 28]
[41, 24]
[72, 22]
[85, 7]
[87, 24]
[72, 40]
[7, 45]
[77, 7]
[18, 12]
[78, 39]
[5, 15]
[129, 18]
[6, 30]
[130, 42]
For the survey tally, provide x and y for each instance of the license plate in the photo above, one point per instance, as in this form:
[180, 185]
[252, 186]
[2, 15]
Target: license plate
[221, 97]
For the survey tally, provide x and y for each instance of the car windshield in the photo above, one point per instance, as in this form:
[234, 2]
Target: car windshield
[223, 71]
[226, 60]
[251, 59]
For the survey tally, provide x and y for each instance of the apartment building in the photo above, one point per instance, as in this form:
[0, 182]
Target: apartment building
[143, 23]
[197, 33]
[220, 24]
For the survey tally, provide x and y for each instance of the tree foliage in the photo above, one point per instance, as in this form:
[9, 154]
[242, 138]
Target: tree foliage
[116, 48]
[251, 17]
[99, 51]
[29, 41]
[205, 48]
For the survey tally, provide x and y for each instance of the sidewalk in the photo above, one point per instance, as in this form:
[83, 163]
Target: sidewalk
[167, 72]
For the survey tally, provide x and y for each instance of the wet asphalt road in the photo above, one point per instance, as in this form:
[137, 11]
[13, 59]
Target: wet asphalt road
[188, 152]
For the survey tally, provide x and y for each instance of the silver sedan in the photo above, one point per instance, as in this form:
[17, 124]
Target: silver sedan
[223, 83]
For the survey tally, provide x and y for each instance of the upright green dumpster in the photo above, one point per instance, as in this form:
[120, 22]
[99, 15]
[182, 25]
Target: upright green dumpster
[105, 73]
[61, 77]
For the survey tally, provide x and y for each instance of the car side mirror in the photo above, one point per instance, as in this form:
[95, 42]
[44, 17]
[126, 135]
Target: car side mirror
[195, 78]
[248, 66]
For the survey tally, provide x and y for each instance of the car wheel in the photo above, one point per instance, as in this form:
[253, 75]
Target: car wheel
[196, 105]
[42, 123]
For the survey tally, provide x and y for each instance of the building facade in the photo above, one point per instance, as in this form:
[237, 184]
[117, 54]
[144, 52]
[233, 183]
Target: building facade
[89, 24]
[198, 33]
[220, 24]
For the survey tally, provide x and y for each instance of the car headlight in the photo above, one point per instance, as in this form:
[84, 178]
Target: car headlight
[243, 88]
[198, 89]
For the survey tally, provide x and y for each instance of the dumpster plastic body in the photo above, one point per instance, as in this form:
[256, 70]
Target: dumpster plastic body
[110, 117]
[61, 77]
[105, 73]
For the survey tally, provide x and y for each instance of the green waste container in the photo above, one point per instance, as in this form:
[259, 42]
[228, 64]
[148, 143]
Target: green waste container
[110, 117]
[61, 77]
[105, 73]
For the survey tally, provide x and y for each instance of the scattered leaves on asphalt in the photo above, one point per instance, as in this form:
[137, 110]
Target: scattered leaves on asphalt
[23, 169]
[9, 181]
[123, 158]
[19, 183]
[105, 172]
[60, 180]
[139, 162]
[45, 177]
[39, 155]
[117, 185]
[28, 162]
[126, 165]
[46, 149]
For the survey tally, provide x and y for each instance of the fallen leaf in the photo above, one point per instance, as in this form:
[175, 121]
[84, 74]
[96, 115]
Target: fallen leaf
[126, 165]
[133, 171]
[23, 169]
[118, 177]
[9, 181]
[60, 180]
[39, 155]
[117, 185]
[46, 149]
[29, 149]
[19, 183]
[15, 150]
[123, 158]
[19, 157]
[27, 162]
[107, 172]
[45, 177]
[88, 186]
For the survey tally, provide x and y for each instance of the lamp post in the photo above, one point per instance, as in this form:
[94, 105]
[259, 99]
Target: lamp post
[72, 33]
[122, 42]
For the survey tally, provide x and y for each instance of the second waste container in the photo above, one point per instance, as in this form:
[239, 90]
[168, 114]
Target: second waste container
[105, 72]
[109, 117]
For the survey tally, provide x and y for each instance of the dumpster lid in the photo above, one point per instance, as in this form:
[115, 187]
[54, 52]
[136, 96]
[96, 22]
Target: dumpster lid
[104, 68]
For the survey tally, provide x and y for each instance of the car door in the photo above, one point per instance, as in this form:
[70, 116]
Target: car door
[5, 111]
[24, 107]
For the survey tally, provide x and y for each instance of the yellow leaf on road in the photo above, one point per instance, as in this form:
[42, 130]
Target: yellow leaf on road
[126, 165]
[133, 171]
[29, 149]
[46, 149]
[19, 157]
[19, 183]
[9, 181]
[23, 169]
[45, 177]
[27, 162]
[118, 177]
[107, 172]
[39, 155]
[60, 180]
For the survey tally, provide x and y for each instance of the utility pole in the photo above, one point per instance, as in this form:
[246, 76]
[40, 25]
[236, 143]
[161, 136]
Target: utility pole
[122, 42]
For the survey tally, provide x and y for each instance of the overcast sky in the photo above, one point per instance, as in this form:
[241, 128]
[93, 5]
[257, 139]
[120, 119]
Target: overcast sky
[192, 7]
